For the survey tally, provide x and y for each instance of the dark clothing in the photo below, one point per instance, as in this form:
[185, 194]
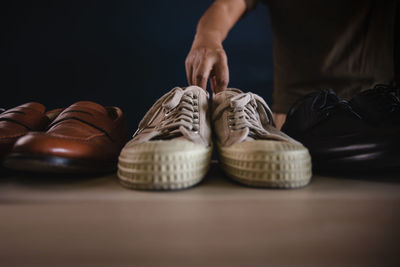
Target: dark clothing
[347, 46]
[397, 44]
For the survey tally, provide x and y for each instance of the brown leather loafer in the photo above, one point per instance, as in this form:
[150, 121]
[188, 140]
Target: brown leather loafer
[18, 121]
[85, 138]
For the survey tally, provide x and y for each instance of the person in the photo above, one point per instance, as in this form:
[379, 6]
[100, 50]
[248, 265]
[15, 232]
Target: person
[344, 45]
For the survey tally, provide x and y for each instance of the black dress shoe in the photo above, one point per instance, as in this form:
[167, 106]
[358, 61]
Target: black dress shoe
[379, 106]
[340, 139]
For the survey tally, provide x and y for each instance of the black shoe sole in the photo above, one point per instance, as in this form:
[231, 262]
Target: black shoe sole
[362, 163]
[57, 165]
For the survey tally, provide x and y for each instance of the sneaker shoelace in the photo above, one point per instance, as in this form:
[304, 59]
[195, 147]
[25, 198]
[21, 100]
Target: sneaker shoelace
[180, 109]
[182, 113]
[243, 113]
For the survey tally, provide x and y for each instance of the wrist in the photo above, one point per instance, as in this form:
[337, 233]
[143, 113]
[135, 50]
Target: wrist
[207, 39]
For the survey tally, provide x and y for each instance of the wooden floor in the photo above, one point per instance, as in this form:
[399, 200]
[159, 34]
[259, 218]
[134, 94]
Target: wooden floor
[55, 221]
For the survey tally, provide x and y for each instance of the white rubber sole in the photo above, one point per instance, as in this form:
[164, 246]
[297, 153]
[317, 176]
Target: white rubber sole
[163, 165]
[264, 163]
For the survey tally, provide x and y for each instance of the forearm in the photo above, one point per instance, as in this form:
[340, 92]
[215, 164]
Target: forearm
[218, 20]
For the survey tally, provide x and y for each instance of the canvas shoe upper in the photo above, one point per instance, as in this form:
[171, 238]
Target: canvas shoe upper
[239, 117]
[251, 150]
[172, 147]
[181, 114]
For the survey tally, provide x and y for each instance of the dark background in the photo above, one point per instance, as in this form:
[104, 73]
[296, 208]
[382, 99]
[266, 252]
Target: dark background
[124, 53]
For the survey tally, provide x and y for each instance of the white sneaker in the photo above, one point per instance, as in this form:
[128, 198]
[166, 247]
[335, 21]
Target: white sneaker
[251, 150]
[172, 147]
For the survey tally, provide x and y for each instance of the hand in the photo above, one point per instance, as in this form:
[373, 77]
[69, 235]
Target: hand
[207, 62]
[279, 119]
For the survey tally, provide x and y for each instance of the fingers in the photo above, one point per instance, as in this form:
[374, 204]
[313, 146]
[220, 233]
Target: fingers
[202, 65]
[221, 72]
[202, 73]
[189, 69]
[213, 82]
[279, 119]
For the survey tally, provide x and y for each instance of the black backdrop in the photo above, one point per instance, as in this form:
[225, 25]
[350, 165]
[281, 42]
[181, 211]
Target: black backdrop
[125, 53]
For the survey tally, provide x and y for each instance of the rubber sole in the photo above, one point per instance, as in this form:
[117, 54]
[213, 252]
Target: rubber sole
[163, 165]
[56, 165]
[264, 163]
[381, 161]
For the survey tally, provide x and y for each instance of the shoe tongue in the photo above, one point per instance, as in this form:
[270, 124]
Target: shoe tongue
[220, 97]
[91, 105]
[195, 89]
[35, 106]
